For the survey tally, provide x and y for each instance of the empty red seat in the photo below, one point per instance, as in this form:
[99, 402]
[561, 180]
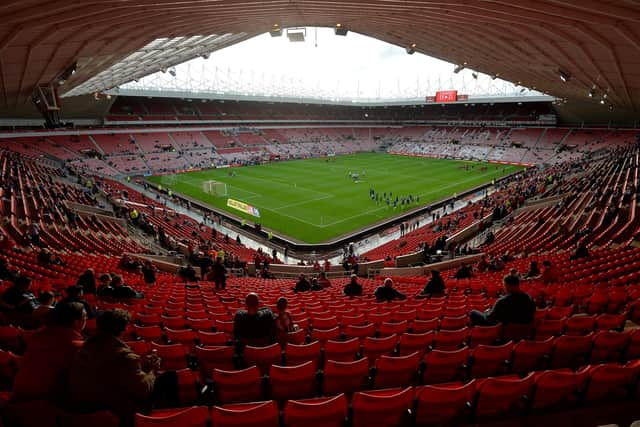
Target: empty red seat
[558, 389]
[486, 335]
[487, 360]
[382, 408]
[292, 382]
[454, 323]
[263, 357]
[608, 346]
[324, 322]
[580, 325]
[444, 366]
[345, 377]
[412, 342]
[212, 338]
[633, 349]
[219, 357]
[611, 381]
[606, 322]
[298, 354]
[196, 416]
[451, 340]
[396, 371]
[174, 322]
[420, 326]
[499, 396]
[355, 331]
[148, 333]
[174, 356]
[182, 336]
[255, 414]
[530, 356]
[444, 404]
[550, 328]
[557, 313]
[342, 351]
[238, 386]
[375, 347]
[571, 351]
[325, 334]
[387, 329]
[320, 412]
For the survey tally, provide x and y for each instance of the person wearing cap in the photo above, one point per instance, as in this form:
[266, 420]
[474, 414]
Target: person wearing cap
[353, 288]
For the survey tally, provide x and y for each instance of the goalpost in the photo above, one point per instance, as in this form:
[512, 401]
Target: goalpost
[215, 188]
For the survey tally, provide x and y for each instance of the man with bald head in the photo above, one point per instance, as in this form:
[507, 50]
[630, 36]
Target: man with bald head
[253, 326]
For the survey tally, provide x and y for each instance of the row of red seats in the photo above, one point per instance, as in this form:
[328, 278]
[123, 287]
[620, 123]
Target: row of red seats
[477, 400]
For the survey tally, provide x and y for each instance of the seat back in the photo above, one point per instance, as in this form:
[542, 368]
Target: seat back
[444, 366]
[292, 382]
[256, 414]
[238, 386]
[384, 408]
[321, 412]
[444, 404]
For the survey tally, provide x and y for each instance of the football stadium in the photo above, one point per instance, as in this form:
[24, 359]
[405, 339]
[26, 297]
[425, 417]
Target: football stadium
[307, 213]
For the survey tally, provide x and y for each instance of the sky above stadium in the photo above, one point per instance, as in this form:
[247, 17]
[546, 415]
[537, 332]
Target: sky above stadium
[323, 66]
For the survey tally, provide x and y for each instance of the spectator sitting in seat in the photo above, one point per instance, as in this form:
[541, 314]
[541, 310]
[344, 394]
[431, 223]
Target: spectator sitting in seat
[483, 265]
[464, 272]
[580, 252]
[386, 292]
[149, 273]
[514, 307]
[188, 273]
[435, 285]
[283, 321]
[302, 285]
[323, 280]
[44, 368]
[45, 257]
[353, 288]
[315, 286]
[104, 287]
[533, 272]
[75, 294]
[87, 281]
[19, 298]
[120, 290]
[107, 375]
[253, 326]
[42, 314]
[6, 272]
[550, 273]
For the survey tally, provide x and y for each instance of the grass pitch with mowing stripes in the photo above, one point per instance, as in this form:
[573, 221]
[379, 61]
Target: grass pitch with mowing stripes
[314, 200]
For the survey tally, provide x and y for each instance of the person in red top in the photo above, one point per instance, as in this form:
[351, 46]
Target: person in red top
[327, 265]
[550, 273]
[284, 322]
[44, 369]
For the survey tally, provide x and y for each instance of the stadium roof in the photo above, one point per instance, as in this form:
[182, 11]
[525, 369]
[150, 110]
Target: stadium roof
[564, 48]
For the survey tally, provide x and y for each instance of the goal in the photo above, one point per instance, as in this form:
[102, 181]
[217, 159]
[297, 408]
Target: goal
[215, 188]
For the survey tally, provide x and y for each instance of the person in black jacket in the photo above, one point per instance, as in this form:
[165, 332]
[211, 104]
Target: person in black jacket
[302, 285]
[353, 288]
[514, 307]
[386, 292]
[435, 285]
[219, 273]
[87, 281]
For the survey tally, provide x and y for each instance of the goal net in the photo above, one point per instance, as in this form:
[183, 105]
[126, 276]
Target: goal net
[215, 188]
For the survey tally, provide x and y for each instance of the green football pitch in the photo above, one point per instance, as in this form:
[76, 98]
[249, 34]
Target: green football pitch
[315, 200]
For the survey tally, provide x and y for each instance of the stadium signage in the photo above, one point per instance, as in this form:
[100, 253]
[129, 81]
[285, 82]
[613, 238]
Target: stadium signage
[243, 207]
[447, 96]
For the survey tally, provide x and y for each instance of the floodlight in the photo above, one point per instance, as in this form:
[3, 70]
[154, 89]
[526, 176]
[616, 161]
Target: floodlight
[340, 30]
[565, 77]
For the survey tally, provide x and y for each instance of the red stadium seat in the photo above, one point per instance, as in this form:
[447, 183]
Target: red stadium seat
[375, 347]
[580, 325]
[345, 377]
[324, 323]
[215, 357]
[174, 356]
[486, 335]
[558, 389]
[196, 416]
[420, 326]
[320, 412]
[325, 334]
[489, 360]
[382, 408]
[149, 333]
[444, 404]
[608, 346]
[633, 349]
[238, 386]
[531, 356]
[500, 396]
[342, 351]
[606, 322]
[256, 414]
[550, 328]
[611, 382]
[354, 331]
[411, 342]
[396, 371]
[292, 382]
[298, 354]
[444, 366]
[571, 351]
[263, 357]
[387, 329]
[454, 323]
[212, 338]
[451, 340]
